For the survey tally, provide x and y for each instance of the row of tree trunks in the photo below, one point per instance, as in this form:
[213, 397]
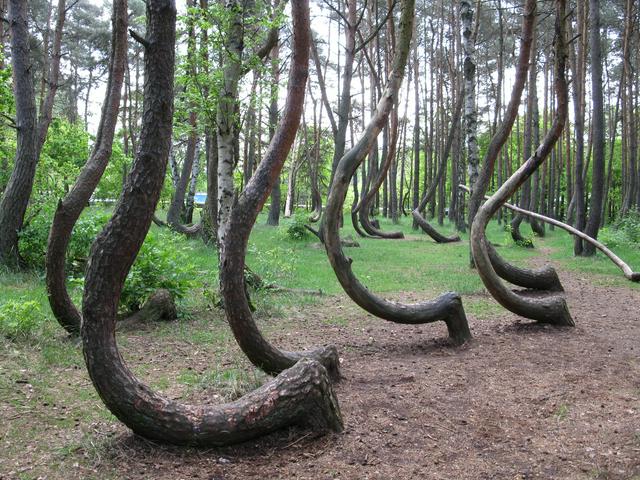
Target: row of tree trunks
[430, 193]
[31, 131]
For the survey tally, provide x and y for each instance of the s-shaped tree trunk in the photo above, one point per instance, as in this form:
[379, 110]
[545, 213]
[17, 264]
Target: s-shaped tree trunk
[552, 309]
[243, 216]
[448, 307]
[301, 395]
[72, 205]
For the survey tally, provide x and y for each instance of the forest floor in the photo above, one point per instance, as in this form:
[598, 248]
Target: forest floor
[520, 401]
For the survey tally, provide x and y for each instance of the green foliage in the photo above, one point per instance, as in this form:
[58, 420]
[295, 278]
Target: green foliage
[526, 242]
[161, 263]
[33, 238]
[64, 153]
[274, 264]
[296, 229]
[625, 231]
[110, 184]
[7, 134]
[20, 319]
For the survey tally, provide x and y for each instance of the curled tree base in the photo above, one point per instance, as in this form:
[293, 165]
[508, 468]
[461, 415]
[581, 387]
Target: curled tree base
[544, 279]
[245, 211]
[431, 231]
[300, 395]
[553, 309]
[447, 307]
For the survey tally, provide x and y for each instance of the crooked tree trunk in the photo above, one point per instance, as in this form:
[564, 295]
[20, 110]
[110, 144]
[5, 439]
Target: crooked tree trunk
[626, 269]
[301, 395]
[542, 279]
[429, 194]
[552, 309]
[70, 207]
[447, 307]
[243, 216]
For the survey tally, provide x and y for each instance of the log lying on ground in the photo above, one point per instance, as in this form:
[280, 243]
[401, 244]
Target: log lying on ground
[159, 306]
[628, 272]
[447, 307]
[552, 310]
[70, 208]
[544, 279]
[245, 211]
[301, 395]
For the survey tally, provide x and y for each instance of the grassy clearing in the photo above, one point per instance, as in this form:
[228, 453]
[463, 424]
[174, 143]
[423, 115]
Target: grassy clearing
[51, 418]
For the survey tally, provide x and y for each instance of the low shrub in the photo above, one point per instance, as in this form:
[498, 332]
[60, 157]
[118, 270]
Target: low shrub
[624, 231]
[20, 319]
[296, 229]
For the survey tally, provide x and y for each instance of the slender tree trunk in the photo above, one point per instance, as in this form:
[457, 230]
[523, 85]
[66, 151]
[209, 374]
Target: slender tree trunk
[470, 109]
[70, 208]
[15, 199]
[597, 176]
[273, 218]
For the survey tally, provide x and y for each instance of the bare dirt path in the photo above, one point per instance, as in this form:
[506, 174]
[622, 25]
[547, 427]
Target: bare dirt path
[521, 401]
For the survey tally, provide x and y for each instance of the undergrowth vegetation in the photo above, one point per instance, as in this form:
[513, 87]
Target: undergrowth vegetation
[188, 268]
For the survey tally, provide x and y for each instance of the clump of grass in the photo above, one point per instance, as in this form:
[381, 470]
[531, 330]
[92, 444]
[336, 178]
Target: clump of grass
[230, 383]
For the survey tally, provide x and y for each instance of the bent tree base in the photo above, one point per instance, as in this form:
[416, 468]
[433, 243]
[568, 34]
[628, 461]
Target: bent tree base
[447, 307]
[553, 309]
[301, 395]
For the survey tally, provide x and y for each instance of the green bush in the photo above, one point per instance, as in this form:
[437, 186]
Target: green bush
[33, 238]
[625, 231]
[296, 229]
[161, 263]
[19, 319]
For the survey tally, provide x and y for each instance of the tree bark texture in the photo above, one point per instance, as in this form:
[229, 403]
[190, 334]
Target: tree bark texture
[470, 110]
[597, 174]
[13, 205]
[273, 218]
[245, 211]
[72, 205]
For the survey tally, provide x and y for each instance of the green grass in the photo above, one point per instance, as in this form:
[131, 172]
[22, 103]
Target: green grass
[44, 371]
